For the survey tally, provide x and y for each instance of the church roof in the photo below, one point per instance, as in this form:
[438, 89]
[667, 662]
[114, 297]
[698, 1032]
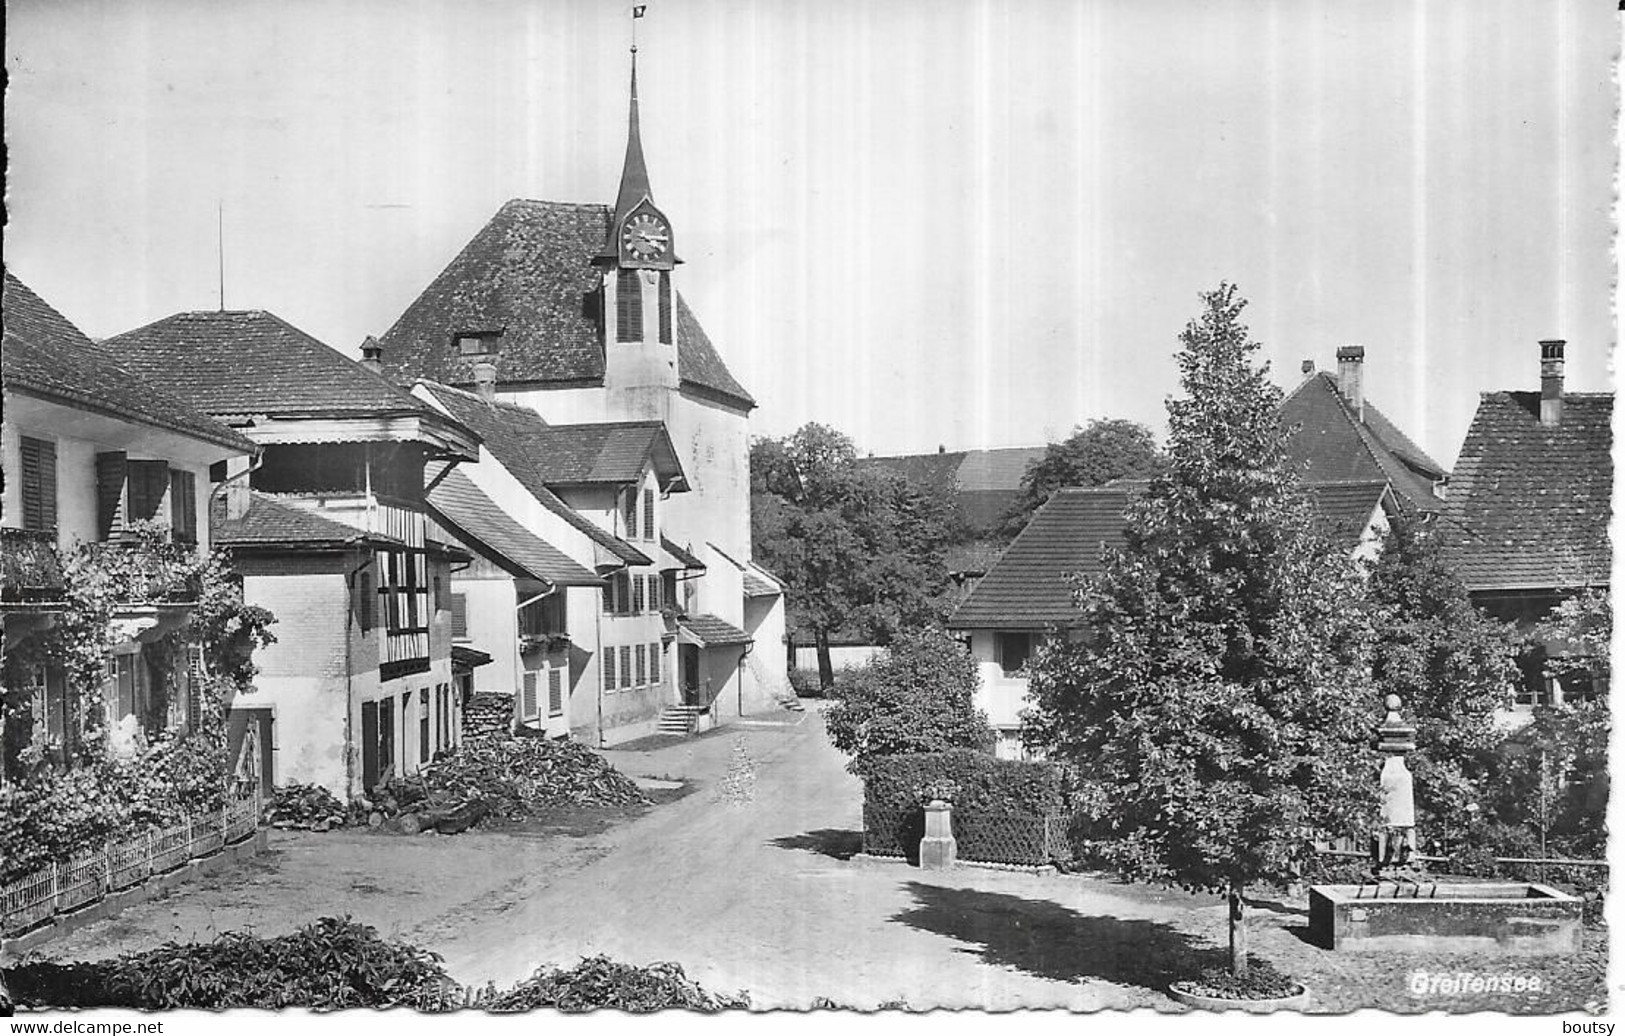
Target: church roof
[529, 273]
[45, 355]
[1334, 445]
[1530, 503]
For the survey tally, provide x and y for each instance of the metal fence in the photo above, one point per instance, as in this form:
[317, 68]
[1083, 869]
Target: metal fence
[1021, 839]
[86, 878]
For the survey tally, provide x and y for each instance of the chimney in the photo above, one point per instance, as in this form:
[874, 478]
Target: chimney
[372, 355]
[485, 378]
[1351, 377]
[1308, 368]
[1551, 381]
[941, 449]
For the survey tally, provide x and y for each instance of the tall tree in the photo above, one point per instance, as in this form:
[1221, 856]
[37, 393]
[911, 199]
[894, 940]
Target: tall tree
[1218, 699]
[1092, 456]
[858, 547]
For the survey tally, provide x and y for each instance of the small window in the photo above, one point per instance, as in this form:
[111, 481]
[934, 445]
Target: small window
[39, 483]
[648, 514]
[1013, 650]
[478, 343]
[555, 692]
[459, 615]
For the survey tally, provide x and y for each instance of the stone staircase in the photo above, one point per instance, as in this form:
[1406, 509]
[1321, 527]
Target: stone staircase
[679, 719]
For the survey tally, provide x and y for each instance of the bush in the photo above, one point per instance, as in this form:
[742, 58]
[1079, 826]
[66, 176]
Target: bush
[983, 784]
[600, 982]
[916, 696]
[328, 965]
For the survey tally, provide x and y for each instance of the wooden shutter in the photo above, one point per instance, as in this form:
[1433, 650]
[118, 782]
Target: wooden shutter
[555, 692]
[648, 514]
[654, 663]
[527, 706]
[628, 307]
[609, 669]
[637, 594]
[640, 660]
[459, 614]
[626, 665]
[183, 506]
[629, 514]
[665, 307]
[39, 483]
[109, 494]
[149, 483]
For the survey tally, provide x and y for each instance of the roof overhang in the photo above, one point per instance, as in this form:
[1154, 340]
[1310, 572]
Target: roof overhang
[445, 439]
[70, 418]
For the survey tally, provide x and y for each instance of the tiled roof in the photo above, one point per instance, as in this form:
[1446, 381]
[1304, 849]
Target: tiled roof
[269, 522]
[985, 483]
[1028, 586]
[755, 580]
[458, 503]
[254, 362]
[1529, 504]
[610, 452]
[1333, 445]
[45, 355]
[508, 432]
[924, 469]
[998, 469]
[529, 273]
[712, 631]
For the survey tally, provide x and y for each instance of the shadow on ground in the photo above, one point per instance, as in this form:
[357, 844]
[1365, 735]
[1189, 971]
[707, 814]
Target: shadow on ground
[836, 842]
[1055, 942]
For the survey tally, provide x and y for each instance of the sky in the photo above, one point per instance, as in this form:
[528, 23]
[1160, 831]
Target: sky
[944, 223]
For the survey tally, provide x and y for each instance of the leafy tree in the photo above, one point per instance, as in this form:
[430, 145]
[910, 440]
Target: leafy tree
[1217, 702]
[1093, 456]
[916, 696]
[1450, 664]
[859, 548]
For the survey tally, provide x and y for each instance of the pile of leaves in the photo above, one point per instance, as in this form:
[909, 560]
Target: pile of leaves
[308, 806]
[510, 778]
[332, 964]
[601, 982]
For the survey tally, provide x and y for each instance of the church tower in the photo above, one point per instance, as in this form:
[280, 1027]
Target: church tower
[640, 339]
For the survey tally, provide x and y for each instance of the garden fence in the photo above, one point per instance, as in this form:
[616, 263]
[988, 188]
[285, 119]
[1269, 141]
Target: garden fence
[1022, 839]
[87, 878]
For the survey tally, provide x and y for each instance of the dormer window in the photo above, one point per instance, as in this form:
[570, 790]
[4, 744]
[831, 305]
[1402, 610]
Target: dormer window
[477, 343]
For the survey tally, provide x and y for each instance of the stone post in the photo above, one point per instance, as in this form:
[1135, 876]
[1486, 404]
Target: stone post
[1398, 809]
[937, 848]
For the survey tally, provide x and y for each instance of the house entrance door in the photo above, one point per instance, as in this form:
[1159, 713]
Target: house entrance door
[690, 656]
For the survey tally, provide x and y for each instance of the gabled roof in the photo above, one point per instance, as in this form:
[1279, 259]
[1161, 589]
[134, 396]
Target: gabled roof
[1346, 508]
[755, 580]
[613, 452]
[985, 483]
[508, 432]
[269, 522]
[684, 557]
[1028, 587]
[529, 273]
[253, 362]
[710, 631]
[1333, 445]
[44, 355]
[457, 503]
[1529, 504]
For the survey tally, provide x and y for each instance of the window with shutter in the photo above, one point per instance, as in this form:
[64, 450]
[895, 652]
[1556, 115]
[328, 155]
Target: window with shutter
[148, 487]
[626, 665]
[609, 669]
[555, 692]
[648, 514]
[183, 506]
[665, 307]
[39, 483]
[628, 307]
[109, 494]
[459, 615]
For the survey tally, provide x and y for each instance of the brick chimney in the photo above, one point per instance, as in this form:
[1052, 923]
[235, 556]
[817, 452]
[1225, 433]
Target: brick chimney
[1351, 377]
[1308, 368]
[372, 355]
[1551, 381]
[485, 377]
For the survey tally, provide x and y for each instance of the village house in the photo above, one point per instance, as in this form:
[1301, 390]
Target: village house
[1526, 522]
[329, 530]
[92, 453]
[1027, 595]
[572, 311]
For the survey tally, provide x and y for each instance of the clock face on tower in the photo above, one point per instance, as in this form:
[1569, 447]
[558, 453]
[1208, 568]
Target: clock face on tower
[645, 237]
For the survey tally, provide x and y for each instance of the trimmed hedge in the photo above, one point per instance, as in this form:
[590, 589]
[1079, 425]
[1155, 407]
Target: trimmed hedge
[985, 784]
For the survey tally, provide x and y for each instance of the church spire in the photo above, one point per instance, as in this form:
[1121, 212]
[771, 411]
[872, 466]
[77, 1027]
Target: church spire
[639, 234]
[634, 174]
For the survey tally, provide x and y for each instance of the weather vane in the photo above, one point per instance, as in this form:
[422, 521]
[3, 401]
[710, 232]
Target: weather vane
[637, 12]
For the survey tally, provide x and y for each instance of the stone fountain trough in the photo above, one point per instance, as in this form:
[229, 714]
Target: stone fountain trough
[1445, 917]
